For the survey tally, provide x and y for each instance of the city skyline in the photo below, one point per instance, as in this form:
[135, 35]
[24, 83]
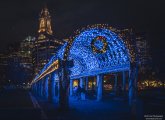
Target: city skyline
[82, 59]
[70, 16]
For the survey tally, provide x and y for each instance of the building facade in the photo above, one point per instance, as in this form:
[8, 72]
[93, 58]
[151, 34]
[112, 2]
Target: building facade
[26, 49]
[3, 69]
[19, 61]
[144, 50]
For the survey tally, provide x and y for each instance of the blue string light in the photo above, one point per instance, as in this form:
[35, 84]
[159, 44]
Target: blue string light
[87, 62]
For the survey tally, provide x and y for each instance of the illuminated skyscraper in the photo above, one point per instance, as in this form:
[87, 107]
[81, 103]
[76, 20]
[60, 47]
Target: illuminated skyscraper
[144, 50]
[19, 61]
[26, 49]
[3, 68]
[45, 44]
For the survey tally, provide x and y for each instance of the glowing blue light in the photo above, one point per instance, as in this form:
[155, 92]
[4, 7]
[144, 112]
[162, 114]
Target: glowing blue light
[115, 57]
[86, 62]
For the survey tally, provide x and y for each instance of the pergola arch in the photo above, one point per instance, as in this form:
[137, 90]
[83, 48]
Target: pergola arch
[117, 57]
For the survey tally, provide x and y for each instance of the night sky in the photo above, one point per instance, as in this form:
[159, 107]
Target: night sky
[19, 18]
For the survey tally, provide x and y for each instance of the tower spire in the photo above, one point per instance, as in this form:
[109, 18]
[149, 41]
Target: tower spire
[45, 21]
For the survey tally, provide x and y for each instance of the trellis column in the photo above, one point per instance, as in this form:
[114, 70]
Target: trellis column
[35, 86]
[46, 87]
[33, 89]
[124, 81]
[82, 86]
[39, 82]
[71, 87]
[42, 88]
[50, 92]
[115, 85]
[53, 86]
[86, 85]
[57, 87]
[81, 82]
[38, 88]
[133, 86]
[99, 87]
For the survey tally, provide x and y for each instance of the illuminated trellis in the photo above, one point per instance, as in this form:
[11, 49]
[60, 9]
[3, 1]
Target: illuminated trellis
[116, 57]
[95, 50]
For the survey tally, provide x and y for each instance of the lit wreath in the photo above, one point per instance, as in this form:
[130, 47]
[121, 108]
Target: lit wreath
[104, 47]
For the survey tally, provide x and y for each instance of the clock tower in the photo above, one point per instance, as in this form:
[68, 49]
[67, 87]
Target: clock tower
[46, 44]
[45, 22]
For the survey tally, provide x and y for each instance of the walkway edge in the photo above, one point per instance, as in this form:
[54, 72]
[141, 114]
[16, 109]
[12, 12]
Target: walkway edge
[36, 105]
